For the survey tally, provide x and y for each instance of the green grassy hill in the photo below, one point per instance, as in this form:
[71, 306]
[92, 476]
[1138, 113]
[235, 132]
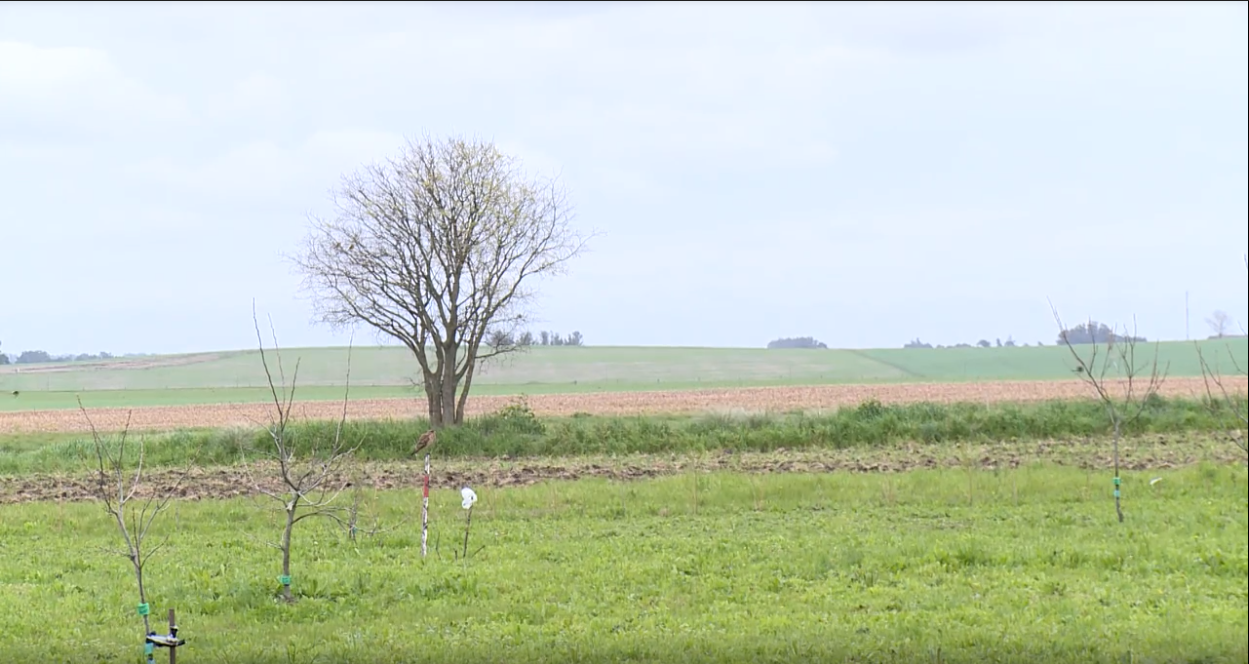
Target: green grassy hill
[388, 371]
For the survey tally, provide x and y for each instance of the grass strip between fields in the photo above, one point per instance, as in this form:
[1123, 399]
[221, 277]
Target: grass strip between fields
[516, 432]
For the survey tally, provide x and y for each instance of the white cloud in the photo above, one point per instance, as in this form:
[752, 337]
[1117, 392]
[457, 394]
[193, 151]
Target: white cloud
[247, 169]
[620, 182]
[256, 94]
[915, 163]
[714, 87]
[78, 88]
[268, 169]
[351, 148]
[533, 161]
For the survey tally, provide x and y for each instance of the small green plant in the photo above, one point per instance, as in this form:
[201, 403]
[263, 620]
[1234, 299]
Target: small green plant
[516, 418]
[870, 409]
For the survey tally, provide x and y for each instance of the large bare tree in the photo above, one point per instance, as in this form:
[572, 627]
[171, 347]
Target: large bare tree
[435, 247]
[1219, 323]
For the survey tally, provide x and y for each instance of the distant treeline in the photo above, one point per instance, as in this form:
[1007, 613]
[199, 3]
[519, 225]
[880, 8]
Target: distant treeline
[1084, 333]
[42, 356]
[983, 343]
[797, 342]
[499, 339]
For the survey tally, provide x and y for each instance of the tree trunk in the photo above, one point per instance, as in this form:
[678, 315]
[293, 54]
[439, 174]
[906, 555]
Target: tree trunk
[468, 381]
[447, 401]
[286, 552]
[1118, 505]
[136, 557]
[433, 395]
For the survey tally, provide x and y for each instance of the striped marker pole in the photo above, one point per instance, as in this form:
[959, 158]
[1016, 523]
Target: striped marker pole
[425, 511]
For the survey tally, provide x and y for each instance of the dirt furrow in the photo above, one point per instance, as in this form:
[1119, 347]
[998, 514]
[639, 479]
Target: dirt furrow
[1145, 453]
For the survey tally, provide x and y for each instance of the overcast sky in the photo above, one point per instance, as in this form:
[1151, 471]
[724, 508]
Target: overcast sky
[863, 173]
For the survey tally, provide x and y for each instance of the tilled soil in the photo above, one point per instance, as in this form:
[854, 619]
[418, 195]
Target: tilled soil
[1146, 453]
[758, 399]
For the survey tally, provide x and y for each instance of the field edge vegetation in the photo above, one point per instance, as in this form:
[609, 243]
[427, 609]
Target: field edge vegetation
[515, 431]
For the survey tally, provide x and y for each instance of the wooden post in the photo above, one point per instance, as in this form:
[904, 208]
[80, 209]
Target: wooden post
[173, 632]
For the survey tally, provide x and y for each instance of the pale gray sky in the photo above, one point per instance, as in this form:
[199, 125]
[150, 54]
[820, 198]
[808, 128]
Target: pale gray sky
[864, 173]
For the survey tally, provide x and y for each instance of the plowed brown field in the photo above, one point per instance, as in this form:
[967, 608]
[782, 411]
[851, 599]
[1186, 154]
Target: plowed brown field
[1138, 454]
[763, 399]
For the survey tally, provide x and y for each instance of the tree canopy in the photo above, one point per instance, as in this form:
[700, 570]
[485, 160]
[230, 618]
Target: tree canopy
[1094, 332]
[797, 342]
[436, 248]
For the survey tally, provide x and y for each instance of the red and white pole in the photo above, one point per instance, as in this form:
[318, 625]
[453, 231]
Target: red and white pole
[425, 511]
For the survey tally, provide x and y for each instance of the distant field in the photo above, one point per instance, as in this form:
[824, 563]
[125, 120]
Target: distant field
[381, 372]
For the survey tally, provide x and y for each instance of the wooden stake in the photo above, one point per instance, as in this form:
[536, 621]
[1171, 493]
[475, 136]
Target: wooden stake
[173, 631]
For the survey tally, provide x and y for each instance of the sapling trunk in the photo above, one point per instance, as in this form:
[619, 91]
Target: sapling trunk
[138, 575]
[468, 523]
[1118, 506]
[353, 512]
[286, 553]
[136, 560]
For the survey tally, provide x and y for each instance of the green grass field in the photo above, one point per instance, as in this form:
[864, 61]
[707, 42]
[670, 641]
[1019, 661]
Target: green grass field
[237, 376]
[934, 566]
[966, 533]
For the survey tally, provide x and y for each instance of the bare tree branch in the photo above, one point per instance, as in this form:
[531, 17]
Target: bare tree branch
[352, 524]
[309, 483]
[436, 248]
[1221, 398]
[1124, 396]
[117, 489]
[1220, 322]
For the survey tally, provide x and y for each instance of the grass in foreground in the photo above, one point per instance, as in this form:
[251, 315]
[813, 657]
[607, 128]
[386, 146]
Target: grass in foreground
[949, 566]
[514, 431]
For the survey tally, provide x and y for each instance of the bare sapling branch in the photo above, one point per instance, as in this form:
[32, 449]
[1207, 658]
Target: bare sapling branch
[1225, 399]
[1124, 383]
[353, 523]
[1222, 397]
[437, 248]
[309, 480]
[132, 502]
